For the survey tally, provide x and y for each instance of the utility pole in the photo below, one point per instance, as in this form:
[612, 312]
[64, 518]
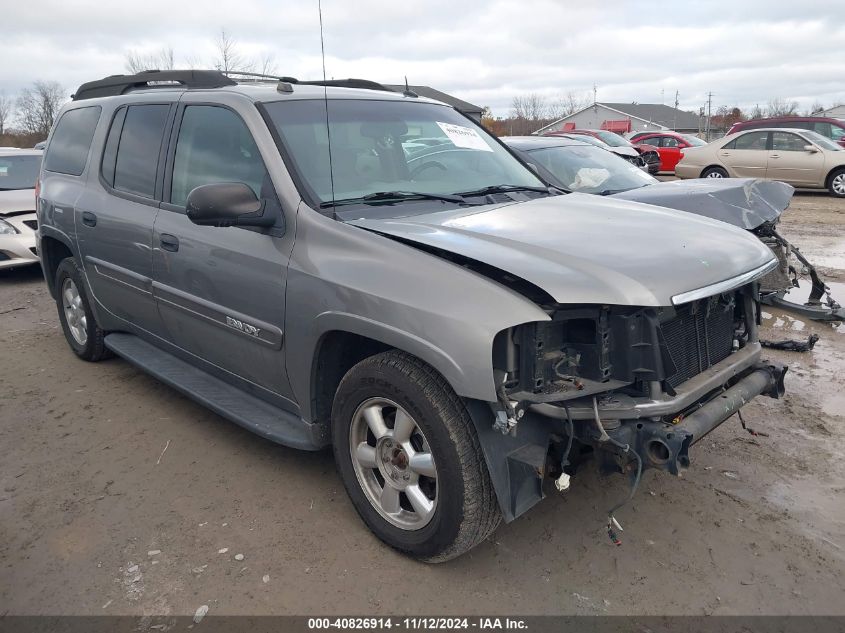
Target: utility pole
[709, 110]
[675, 120]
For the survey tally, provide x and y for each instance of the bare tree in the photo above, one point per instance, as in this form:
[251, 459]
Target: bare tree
[779, 107]
[161, 59]
[37, 106]
[569, 103]
[267, 64]
[816, 108]
[229, 56]
[530, 107]
[5, 111]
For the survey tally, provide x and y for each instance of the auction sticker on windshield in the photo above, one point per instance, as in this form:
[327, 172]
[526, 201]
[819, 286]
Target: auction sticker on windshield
[464, 137]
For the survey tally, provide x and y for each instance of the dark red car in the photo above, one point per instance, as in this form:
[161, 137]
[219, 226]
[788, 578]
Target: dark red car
[670, 145]
[648, 152]
[834, 129]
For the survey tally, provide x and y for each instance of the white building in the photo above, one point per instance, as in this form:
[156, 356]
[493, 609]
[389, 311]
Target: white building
[627, 117]
[836, 112]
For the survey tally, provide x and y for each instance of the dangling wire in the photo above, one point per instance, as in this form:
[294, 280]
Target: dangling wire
[611, 520]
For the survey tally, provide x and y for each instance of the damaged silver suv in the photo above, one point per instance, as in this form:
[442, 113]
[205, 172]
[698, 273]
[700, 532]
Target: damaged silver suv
[337, 263]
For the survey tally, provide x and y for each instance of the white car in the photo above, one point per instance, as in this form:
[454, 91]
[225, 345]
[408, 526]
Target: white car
[18, 173]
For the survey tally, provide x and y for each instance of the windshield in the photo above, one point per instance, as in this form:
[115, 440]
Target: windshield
[590, 169]
[18, 172]
[694, 140]
[391, 146]
[613, 139]
[822, 141]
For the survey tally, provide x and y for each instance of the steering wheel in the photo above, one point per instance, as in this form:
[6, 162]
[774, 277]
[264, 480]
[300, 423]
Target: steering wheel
[427, 165]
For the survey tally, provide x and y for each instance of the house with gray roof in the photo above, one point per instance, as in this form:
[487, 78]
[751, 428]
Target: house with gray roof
[628, 117]
[460, 105]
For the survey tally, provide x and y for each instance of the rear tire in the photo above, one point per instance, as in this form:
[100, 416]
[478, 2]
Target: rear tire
[79, 325]
[714, 172]
[836, 184]
[409, 457]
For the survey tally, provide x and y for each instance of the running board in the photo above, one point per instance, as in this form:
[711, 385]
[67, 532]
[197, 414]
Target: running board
[254, 414]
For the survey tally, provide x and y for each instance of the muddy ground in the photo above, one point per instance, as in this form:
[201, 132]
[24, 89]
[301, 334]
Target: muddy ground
[120, 496]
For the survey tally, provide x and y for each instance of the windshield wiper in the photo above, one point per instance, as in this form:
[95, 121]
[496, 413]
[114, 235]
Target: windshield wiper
[485, 191]
[387, 196]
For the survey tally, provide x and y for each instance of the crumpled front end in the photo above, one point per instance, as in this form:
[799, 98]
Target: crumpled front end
[640, 386]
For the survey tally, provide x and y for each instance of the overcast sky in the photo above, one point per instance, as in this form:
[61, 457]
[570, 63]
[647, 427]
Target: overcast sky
[745, 51]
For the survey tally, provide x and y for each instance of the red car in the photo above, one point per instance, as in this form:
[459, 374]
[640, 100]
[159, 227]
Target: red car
[670, 145]
[648, 152]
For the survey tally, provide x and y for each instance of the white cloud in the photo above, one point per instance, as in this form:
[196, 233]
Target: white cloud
[484, 52]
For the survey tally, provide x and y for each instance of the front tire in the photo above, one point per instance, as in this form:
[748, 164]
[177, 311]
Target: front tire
[409, 457]
[714, 172]
[837, 183]
[79, 325]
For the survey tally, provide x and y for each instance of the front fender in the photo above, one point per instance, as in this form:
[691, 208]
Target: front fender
[343, 278]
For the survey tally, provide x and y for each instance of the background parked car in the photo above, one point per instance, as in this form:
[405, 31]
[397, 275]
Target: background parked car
[670, 145]
[751, 204]
[628, 153]
[831, 128]
[648, 152]
[18, 172]
[801, 158]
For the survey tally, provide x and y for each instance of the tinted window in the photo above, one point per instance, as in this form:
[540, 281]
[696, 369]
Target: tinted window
[137, 154]
[214, 145]
[68, 150]
[19, 172]
[822, 127]
[787, 142]
[110, 150]
[752, 140]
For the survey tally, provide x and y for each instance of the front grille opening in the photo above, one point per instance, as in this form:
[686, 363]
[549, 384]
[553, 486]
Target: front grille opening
[699, 336]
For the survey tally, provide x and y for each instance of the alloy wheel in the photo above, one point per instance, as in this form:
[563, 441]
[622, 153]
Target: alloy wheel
[77, 320]
[393, 463]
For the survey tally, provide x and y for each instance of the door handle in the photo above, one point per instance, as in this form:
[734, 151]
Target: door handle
[774, 155]
[726, 153]
[89, 219]
[169, 242]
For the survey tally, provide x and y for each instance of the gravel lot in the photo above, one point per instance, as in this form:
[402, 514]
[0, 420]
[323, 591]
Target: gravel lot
[120, 496]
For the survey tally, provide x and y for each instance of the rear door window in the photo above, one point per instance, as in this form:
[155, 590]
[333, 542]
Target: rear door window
[136, 159]
[71, 141]
[752, 140]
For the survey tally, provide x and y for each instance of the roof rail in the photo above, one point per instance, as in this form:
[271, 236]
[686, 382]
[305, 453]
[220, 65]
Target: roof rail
[348, 83]
[251, 75]
[121, 84]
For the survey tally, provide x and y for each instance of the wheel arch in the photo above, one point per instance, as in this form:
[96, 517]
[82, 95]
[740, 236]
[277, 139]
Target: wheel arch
[53, 250]
[713, 166]
[346, 339]
[831, 173]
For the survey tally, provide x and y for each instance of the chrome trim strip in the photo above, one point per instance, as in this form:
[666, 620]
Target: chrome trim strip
[727, 284]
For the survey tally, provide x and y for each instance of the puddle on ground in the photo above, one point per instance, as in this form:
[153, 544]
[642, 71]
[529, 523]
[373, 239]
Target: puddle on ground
[810, 500]
[802, 293]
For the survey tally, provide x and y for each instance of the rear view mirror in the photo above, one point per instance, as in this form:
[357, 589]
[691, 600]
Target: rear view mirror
[227, 204]
[810, 148]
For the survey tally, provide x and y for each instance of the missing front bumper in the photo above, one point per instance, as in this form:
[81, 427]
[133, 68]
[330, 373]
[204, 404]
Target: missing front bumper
[666, 446]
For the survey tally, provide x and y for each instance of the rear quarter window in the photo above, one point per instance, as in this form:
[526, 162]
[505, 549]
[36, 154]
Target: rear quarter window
[71, 141]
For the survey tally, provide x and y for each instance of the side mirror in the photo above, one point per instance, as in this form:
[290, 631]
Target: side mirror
[810, 148]
[227, 204]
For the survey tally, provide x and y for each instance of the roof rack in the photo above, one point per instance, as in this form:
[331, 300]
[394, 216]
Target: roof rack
[258, 76]
[121, 84]
[347, 83]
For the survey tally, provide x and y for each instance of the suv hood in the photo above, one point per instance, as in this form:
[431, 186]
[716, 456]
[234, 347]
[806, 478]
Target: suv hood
[743, 202]
[581, 248]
